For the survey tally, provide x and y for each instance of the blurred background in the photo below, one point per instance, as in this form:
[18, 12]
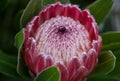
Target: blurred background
[11, 10]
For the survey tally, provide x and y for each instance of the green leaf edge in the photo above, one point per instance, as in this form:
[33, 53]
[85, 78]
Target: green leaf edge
[27, 13]
[48, 69]
[20, 33]
[116, 72]
[97, 72]
[110, 52]
[18, 43]
[115, 44]
[21, 67]
[90, 7]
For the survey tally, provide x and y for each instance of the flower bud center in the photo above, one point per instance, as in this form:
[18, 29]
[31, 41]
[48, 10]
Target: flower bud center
[62, 30]
[62, 38]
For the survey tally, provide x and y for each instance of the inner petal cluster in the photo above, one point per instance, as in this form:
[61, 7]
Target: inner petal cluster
[62, 38]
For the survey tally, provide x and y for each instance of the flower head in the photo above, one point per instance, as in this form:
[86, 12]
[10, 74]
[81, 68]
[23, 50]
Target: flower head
[63, 36]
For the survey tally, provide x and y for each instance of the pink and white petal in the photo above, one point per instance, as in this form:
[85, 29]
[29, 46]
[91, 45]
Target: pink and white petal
[84, 57]
[30, 47]
[97, 45]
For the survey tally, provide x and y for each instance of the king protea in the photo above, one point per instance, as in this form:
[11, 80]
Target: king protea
[63, 36]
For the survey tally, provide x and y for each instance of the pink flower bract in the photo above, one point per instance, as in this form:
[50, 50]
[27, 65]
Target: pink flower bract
[63, 36]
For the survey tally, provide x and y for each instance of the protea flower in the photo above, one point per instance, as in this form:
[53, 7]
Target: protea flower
[63, 36]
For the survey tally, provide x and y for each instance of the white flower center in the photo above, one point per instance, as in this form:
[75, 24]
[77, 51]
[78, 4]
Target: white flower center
[62, 38]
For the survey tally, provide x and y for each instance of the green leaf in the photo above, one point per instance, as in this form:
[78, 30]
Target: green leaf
[50, 74]
[19, 39]
[21, 67]
[111, 41]
[112, 76]
[8, 64]
[106, 64]
[116, 72]
[33, 8]
[100, 9]
[102, 78]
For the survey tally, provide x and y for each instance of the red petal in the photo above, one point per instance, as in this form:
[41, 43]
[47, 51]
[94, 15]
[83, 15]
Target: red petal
[35, 24]
[74, 13]
[39, 64]
[58, 9]
[27, 33]
[80, 74]
[66, 9]
[42, 17]
[88, 21]
[73, 67]
[31, 27]
[97, 45]
[49, 61]
[63, 71]
[51, 11]
[84, 57]
[61, 10]
[29, 52]
[29, 61]
[92, 28]
[92, 60]
[83, 19]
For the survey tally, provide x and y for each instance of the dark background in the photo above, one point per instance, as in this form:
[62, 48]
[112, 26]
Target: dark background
[10, 12]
